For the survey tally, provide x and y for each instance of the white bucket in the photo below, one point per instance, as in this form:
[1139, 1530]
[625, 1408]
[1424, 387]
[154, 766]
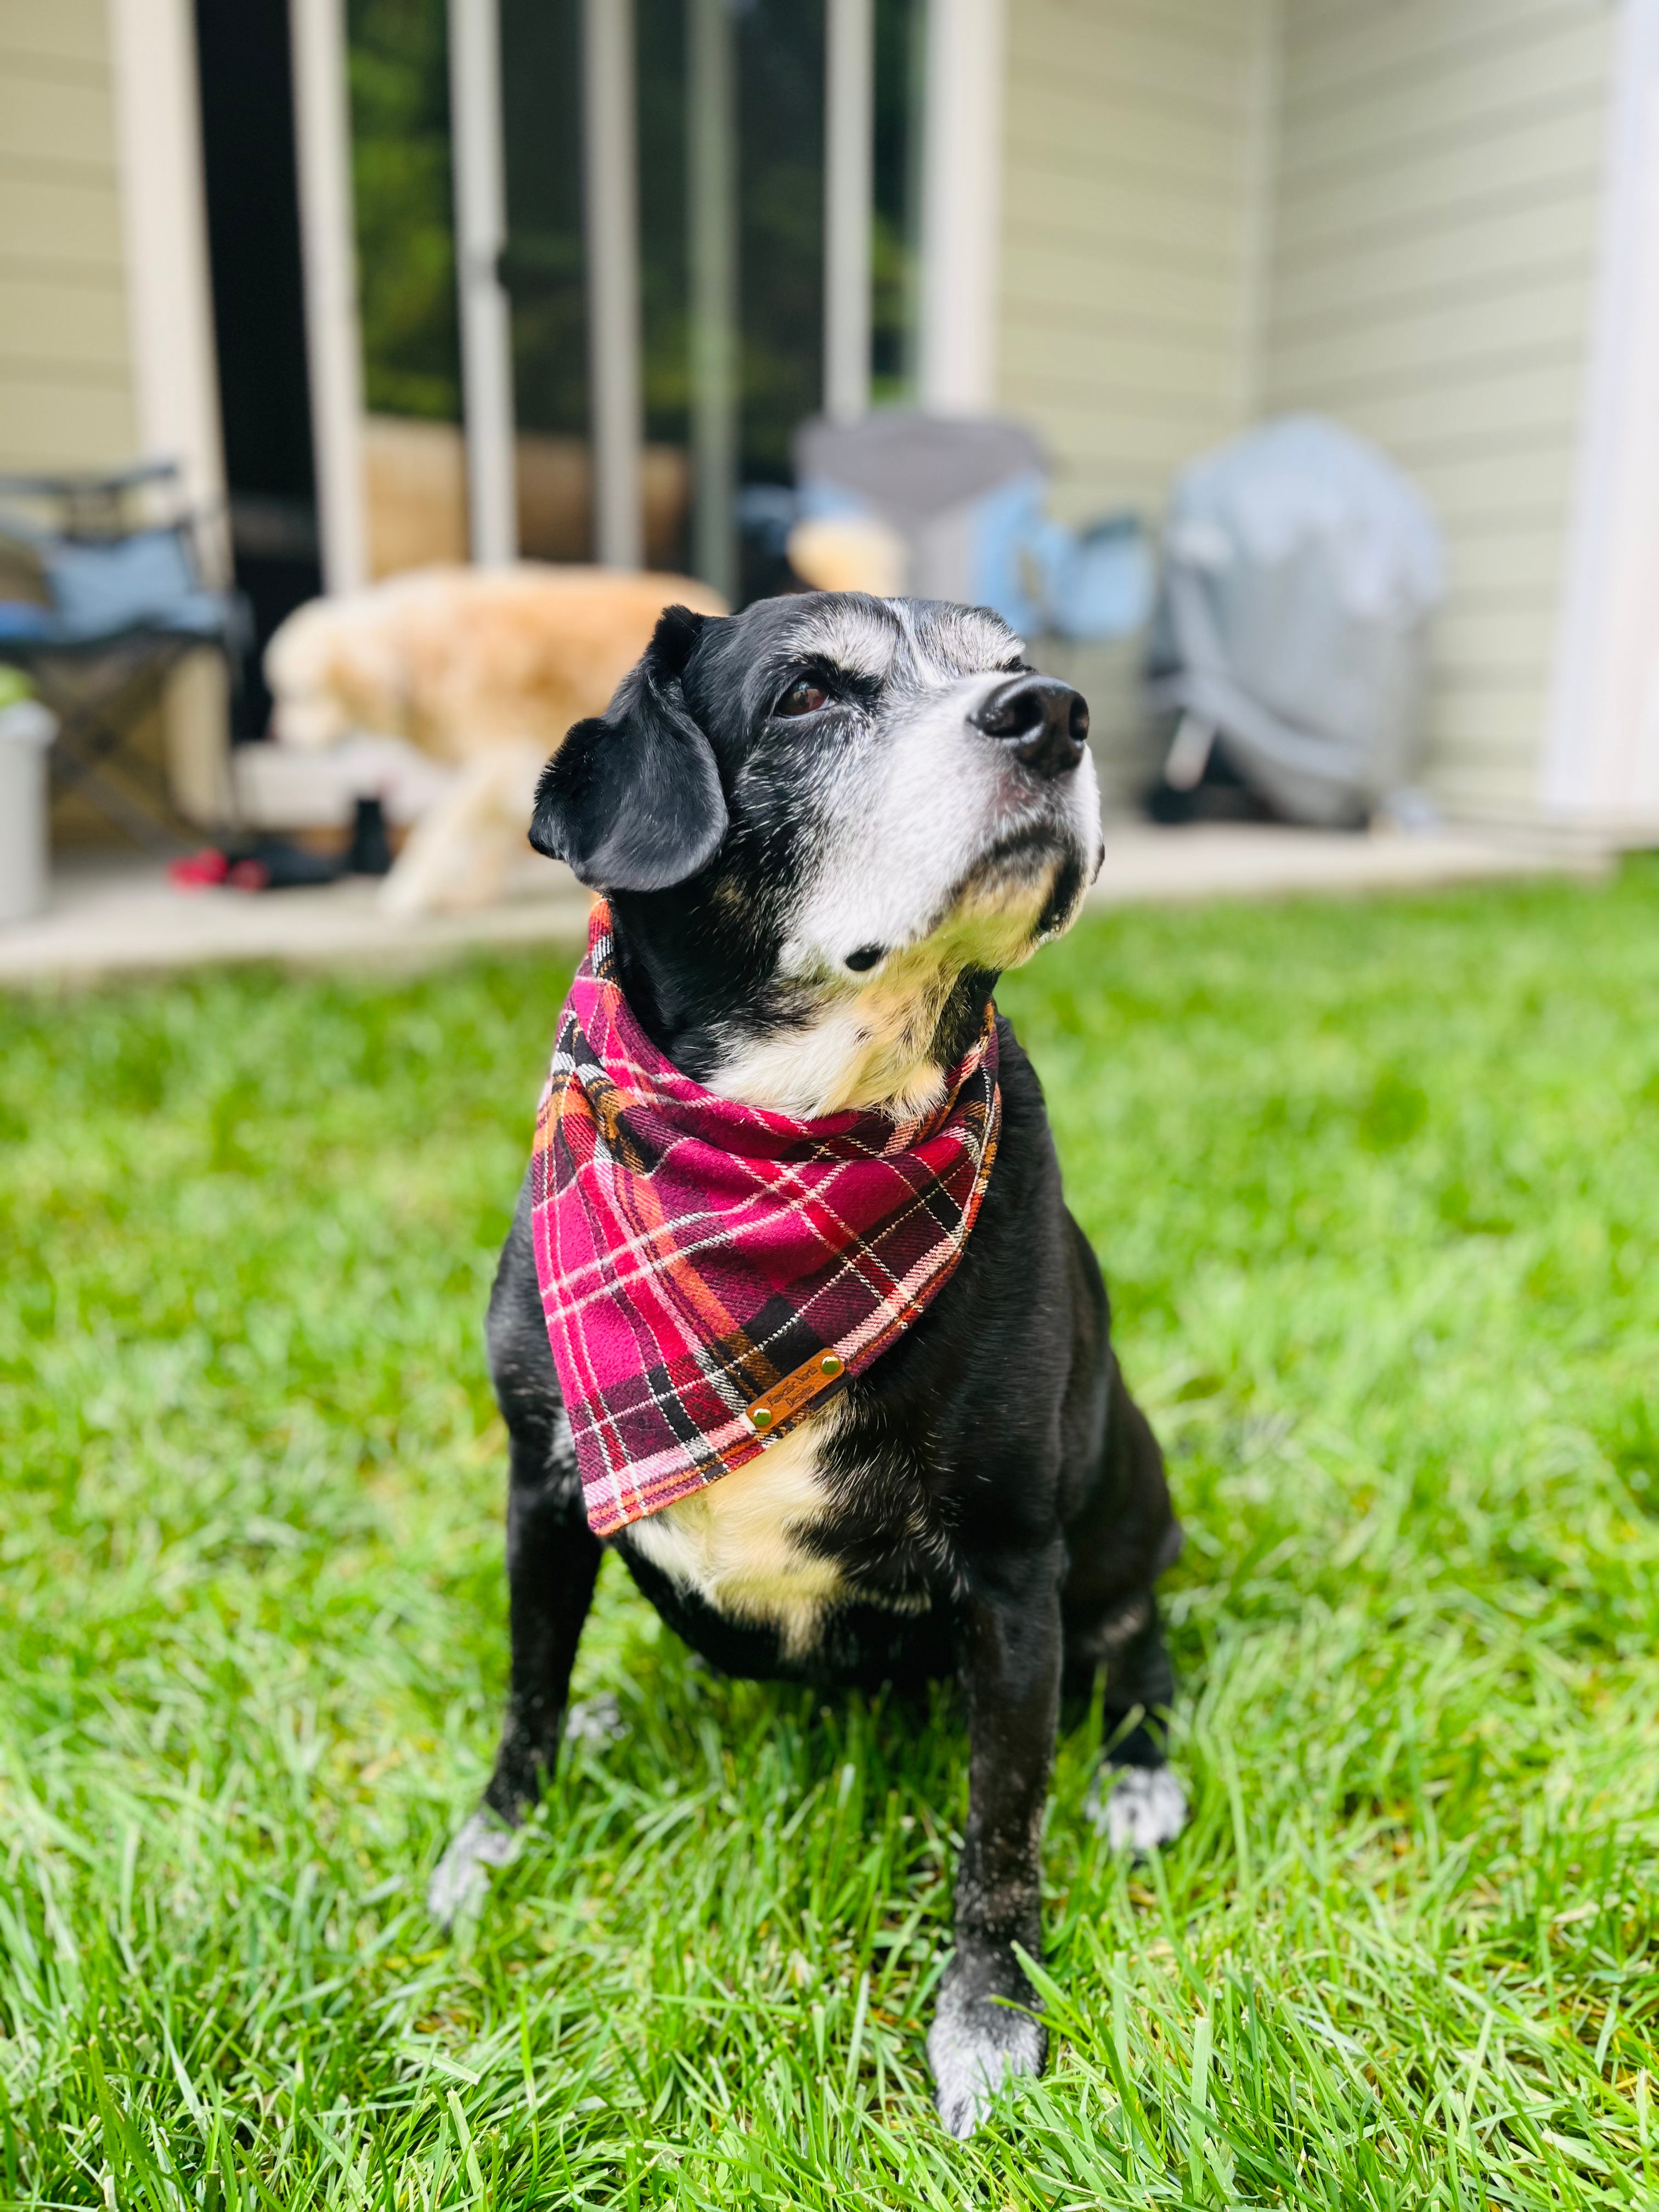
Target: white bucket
[26, 731]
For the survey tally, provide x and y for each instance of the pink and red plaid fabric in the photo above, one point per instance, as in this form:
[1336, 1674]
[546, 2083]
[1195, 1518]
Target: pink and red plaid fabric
[710, 1270]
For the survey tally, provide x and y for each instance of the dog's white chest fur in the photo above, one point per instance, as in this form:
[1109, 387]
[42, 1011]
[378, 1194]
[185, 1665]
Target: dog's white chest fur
[737, 1544]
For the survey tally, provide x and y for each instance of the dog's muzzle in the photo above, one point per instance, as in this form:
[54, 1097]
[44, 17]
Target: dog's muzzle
[1042, 721]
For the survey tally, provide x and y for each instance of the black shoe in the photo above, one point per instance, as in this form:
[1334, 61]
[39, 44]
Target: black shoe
[370, 853]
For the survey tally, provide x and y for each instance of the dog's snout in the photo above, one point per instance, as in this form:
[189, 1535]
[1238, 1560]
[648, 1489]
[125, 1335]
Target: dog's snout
[1041, 720]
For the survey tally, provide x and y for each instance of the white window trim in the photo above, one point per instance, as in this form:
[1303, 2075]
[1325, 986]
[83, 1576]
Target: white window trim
[322, 122]
[611, 218]
[475, 133]
[962, 132]
[849, 164]
[715, 361]
[1601, 765]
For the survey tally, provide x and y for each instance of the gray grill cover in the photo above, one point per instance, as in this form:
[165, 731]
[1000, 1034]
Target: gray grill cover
[1300, 569]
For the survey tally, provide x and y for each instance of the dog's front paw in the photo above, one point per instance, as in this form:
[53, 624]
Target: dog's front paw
[1139, 1809]
[975, 2042]
[460, 1881]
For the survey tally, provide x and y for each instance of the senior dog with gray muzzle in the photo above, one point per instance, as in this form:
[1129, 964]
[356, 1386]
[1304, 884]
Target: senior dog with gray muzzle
[792, 1312]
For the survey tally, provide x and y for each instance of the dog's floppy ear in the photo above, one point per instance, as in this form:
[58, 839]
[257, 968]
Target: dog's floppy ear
[631, 800]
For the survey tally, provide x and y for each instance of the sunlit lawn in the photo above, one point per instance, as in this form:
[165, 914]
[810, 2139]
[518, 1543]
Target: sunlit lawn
[1378, 1191]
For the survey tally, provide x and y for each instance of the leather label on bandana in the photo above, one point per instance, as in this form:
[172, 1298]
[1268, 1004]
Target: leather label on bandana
[796, 1391]
[710, 1272]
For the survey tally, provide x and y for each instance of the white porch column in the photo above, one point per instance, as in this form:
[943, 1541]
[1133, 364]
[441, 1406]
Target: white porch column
[158, 129]
[711, 202]
[474, 106]
[322, 124]
[848, 167]
[611, 172]
[961, 206]
[1602, 758]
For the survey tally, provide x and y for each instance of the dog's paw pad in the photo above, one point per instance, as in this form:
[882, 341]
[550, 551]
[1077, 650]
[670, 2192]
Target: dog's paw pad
[973, 2050]
[460, 1879]
[1137, 1808]
[595, 1720]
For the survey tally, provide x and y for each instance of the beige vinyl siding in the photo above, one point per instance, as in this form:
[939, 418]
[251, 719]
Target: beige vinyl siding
[65, 392]
[1439, 173]
[1130, 210]
[1126, 233]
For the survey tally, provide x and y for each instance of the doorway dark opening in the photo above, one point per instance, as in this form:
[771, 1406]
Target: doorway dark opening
[258, 316]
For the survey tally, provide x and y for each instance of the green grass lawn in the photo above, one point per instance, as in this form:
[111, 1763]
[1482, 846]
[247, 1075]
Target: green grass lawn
[1377, 1188]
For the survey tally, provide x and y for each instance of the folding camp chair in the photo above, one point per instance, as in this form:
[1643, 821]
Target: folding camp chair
[99, 605]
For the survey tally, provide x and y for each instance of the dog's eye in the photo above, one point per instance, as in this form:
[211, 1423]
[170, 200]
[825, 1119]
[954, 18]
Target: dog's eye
[803, 698]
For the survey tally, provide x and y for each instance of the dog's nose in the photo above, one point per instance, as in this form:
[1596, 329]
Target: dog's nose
[1041, 720]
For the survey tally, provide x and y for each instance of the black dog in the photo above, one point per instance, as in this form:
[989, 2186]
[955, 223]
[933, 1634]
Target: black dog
[825, 826]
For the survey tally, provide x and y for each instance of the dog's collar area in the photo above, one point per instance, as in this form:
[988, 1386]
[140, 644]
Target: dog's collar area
[712, 1272]
[879, 1030]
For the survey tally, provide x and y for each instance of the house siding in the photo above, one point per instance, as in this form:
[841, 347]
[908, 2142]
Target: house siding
[1134, 178]
[1382, 211]
[1437, 186]
[65, 381]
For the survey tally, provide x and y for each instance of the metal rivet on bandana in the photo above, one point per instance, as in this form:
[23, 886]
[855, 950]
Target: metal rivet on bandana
[760, 1416]
[829, 1365]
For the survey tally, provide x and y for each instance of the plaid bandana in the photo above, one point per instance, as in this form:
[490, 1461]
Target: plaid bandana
[711, 1271]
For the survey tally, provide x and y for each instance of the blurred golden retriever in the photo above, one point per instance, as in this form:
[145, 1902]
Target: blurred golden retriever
[483, 669]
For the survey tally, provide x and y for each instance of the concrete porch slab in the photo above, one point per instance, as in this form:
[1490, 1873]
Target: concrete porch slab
[1146, 866]
[113, 915]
